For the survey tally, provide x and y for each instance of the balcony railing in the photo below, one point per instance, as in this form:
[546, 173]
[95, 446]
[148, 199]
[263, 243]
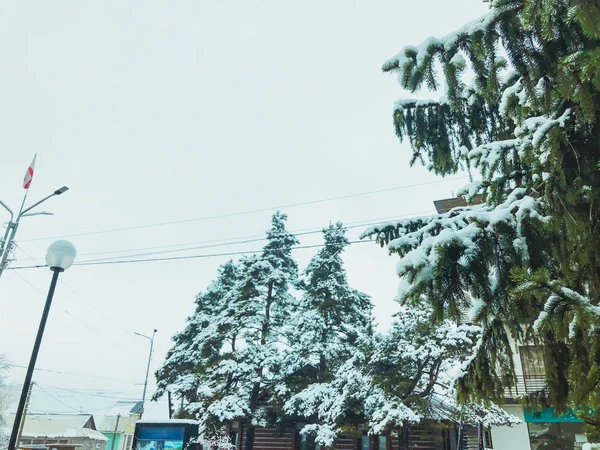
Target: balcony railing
[526, 385]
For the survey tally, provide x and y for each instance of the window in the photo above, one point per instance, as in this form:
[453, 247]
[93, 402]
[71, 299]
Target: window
[532, 361]
[308, 442]
[234, 438]
[381, 442]
[364, 443]
[559, 435]
[127, 444]
[487, 438]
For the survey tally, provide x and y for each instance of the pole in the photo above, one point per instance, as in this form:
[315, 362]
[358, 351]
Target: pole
[11, 238]
[5, 248]
[34, 354]
[8, 245]
[25, 413]
[147, 372]
[170, 405]
[112, 446]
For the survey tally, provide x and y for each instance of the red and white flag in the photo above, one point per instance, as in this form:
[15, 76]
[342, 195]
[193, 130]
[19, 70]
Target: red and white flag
[29, 174]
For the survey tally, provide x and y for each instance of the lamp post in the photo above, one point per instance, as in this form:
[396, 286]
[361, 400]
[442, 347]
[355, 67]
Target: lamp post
[151, 339]
[11, 229]
[59, 257]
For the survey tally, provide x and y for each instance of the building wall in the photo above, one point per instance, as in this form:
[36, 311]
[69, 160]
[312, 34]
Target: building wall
[109, 443]
[512, 438]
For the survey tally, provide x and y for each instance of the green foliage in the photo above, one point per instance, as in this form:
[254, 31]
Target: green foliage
[529, 257]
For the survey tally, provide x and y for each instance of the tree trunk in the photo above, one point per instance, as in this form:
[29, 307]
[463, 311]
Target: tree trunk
[251, 428]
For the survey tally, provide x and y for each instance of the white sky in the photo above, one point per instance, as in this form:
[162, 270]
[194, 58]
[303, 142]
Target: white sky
[154, 111]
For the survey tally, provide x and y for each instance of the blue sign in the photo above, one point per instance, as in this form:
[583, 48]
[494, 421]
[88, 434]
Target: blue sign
[548, 416]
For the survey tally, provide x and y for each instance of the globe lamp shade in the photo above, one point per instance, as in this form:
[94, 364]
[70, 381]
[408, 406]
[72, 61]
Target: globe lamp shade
[60, 255]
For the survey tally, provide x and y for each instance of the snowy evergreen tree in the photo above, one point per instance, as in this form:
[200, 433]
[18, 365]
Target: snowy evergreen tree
[207, 339]
[403, 376]
[227, 360]
[263, 306]
[330, 322]
[528, 260]
[331, 315]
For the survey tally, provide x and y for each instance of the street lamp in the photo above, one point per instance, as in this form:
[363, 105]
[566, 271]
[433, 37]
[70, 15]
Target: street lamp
[151, 339]
[11, 229]
[60, 257]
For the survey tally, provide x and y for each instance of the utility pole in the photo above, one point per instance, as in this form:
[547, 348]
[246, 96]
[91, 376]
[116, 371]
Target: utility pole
[22, 425]
[112, 446]
[6, 245]
[170, 405]
[151, 339]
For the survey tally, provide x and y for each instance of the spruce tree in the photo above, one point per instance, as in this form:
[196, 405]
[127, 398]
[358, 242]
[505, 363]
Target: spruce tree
[261, 311]
[389, 380]
[331, 321]
[208, 340]
[226, 362]
[331, 315]
[521, 110]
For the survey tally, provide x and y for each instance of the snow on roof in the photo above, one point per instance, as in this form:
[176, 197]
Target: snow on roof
[171, 421]
[59, 425]
[111, 423]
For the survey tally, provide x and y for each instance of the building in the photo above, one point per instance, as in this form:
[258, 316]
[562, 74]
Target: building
[539, 429]
[427, 435]
[60, 432]
[118, 424]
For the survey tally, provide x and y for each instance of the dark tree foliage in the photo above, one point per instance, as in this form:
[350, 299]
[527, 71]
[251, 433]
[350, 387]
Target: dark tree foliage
[521, 108]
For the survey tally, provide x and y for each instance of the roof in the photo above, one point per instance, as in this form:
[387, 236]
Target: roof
[59, 426]
[171, 422]
[445, 205]
[116, 423]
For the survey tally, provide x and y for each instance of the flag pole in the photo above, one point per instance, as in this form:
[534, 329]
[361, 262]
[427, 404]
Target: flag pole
[9, 239]
[22, 204]
[28, 185]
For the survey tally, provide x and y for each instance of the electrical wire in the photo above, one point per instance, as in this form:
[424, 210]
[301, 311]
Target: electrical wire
[114, 322]
[75, 317]
[242, 240]
[247, 212]
[53, 397]
[257, 237]
[245, 240]
[94, 395]
[177, 258]
[62, 372]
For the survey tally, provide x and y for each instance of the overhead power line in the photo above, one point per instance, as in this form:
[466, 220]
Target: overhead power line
[53, 397]
[221, 243]
[176, 258]
[90, 304]
[63, 372]
[237, 240]
[89, 394]
[75, 317]
[251, 211]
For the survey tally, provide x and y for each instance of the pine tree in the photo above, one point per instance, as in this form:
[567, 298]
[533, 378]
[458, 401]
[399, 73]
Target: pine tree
[330, 322]
[389, 380]
[262, 307]
[529, 257]
[331, 315]
[207, 340]
[226, 362]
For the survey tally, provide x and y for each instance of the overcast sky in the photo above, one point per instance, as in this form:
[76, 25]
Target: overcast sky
[155, 111]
